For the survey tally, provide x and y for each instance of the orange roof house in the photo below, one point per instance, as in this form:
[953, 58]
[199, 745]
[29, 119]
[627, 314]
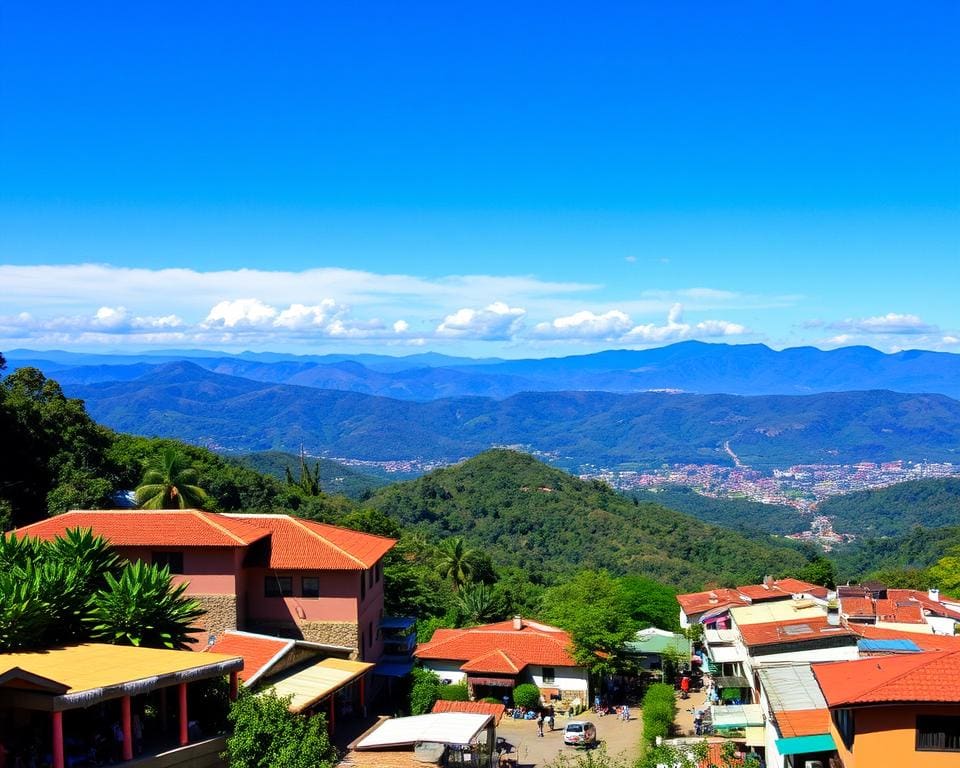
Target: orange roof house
[494, 658]
[895, 710]
[274, 573]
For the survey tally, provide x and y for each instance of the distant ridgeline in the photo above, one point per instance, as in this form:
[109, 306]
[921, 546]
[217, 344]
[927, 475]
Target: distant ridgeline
[186, 401]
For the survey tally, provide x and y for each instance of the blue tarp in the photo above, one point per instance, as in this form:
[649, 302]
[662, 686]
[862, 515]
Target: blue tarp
[887, 646]
[393, 668]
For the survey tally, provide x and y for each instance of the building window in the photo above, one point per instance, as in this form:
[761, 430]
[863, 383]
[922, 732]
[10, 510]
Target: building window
[311, 586]
[278, 586]
[549, 674]
[173, 560]
[938, 733]
[843, 720]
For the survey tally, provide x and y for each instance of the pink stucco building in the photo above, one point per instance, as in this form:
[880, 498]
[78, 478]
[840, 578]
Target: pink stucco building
[276, 574]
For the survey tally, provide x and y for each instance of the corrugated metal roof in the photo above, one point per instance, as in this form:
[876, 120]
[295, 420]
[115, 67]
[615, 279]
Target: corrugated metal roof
[887, 646]
[791, 687]
[442, 727]
[308, 685]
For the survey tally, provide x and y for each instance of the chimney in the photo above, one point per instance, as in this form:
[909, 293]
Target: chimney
[934, 594]
[767, 581]
[517, 623]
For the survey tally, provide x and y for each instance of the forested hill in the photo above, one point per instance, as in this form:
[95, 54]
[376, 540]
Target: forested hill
[893, 510]
[523, 512]
[333, 477]
[184, 401]
[736, 514]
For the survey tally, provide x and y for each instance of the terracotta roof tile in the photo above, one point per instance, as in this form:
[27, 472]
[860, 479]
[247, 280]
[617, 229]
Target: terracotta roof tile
[548, 646]
[758, 593]
[803, 722]
[472, 707]
[860, 607]
[924, 601]
[900, 611]
[715, 757]
[797, 587]
[794, 631]
[297, 544]
[494, 662]
[699, 602]
[926, 642]
[154, 528]
[932, 676]
[258, 651]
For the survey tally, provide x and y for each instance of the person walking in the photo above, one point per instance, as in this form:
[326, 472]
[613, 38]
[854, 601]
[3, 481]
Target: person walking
[540, 723]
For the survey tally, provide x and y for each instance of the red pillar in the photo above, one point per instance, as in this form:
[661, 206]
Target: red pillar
[57, 722]
[234, 686]
[127, 728]
[332, 714]
[184, 723]
[361, 694]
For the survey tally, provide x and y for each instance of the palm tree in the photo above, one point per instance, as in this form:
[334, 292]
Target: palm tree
[170, 484]
[456, 561]
[477, 604]
[143, 607]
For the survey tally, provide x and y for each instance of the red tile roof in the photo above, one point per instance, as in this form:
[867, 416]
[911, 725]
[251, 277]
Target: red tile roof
[259, 652]
[797, 587]
[900, 611]
[793, 631]
[759, 593]
[926, 642]
[923, 599]
[533, 644]
[471, 707]
[803, 722]
[297, 544]
[860, 607]
[918, 677]
[715, 757]
[700, 602]
[494, 662]
[155, 528]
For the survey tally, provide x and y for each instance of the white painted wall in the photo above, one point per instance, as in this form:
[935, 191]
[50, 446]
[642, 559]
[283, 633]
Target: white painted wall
[941, 625]
[446, 670]
[564, 678]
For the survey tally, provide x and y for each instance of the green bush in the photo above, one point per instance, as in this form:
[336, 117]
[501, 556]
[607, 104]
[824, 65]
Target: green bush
[455, 692]
[526, 695]
[491, 700]
[267, 735]
[424, 691]
[659, 711]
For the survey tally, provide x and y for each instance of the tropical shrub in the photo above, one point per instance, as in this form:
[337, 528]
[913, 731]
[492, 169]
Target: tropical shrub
[424, 691]
[659, 710]
[526, 695]
[455, 692]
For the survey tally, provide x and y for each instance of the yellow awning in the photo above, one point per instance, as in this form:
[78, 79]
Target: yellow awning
[93, 672]
[308, 685]
[755, 736]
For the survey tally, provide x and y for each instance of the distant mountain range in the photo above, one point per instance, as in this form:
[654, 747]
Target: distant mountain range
[189, 402]
[691, 366]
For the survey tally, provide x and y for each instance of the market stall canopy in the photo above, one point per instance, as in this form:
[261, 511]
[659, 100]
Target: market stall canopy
[737, 716]
[800, 745]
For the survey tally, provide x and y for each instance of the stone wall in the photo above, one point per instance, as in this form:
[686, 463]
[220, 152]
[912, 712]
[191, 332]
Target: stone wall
[332, 633]
[220, 612]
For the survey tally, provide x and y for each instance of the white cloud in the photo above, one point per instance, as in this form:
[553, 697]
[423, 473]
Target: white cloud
[890, 323]
[585, 325]
[497, 321]
[401, 326]
[240, 313]
[677, 330]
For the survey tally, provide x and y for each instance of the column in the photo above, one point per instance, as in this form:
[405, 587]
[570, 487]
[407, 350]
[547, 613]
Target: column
[332, 714]
[184, 723]
[362, 705]
[234, 686]
[57, 723]
[127, 728]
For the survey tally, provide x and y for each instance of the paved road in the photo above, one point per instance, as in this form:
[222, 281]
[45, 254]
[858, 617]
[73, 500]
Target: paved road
[618, 736]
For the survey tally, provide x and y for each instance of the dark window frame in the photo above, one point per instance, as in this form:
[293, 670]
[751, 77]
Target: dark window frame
[277, 586]
[845, 723]
[171, 558]
[942, 729]
[548, 678]
[312, 592]
[363, 586]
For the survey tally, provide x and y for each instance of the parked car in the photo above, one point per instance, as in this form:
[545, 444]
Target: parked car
[580, 733]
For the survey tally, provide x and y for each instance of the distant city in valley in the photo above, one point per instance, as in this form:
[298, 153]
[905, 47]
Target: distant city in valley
[802, 486]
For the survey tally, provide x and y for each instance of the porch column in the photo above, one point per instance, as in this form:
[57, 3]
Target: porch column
[57, 750]
[362, 705]
[127, 728]
[184, 723]
[234, 686]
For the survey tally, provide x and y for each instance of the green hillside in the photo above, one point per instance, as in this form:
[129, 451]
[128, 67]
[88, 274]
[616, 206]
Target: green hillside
[894, 510]
[334, 477]
[736, 514]
[523, 512]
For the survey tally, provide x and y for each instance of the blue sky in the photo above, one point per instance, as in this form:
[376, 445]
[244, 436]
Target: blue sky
[478, 178]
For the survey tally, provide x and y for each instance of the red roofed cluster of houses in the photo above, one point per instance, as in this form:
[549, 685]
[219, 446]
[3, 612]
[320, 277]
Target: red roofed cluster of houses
[855, 678]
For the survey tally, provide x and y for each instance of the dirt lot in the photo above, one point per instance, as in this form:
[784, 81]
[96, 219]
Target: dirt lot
[531, 750]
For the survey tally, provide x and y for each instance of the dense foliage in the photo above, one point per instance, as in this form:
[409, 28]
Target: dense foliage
[737, 514]
[75, 589]
[424, 691]
[520, 510]
[526, 695]
[917, 550]
[267, 735]
[332, 477]
[894, 510]
[659, 711]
